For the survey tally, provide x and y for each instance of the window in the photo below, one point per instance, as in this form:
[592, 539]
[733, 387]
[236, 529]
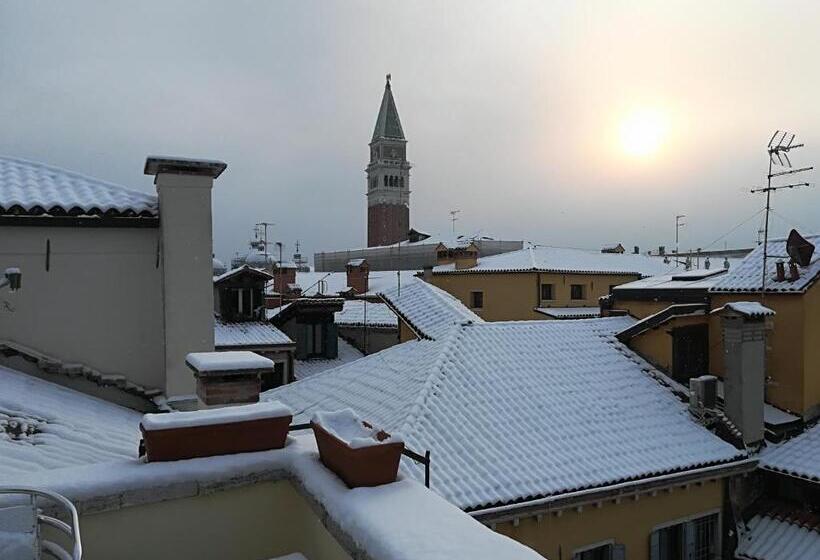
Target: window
[695, 539]
[240, 304]
[604, 551]
[577, 291]
[546, 291]
[476, 300]
[385, 180]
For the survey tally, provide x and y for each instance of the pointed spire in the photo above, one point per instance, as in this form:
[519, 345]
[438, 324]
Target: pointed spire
[388, 124]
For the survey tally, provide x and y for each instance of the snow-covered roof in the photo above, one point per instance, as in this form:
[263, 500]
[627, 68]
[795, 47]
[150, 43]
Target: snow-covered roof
[517, 410]
[697, 279]
[43, 190]
[359, 312]
[44, 426]
[752, 309]
[570, 312]
[334, 283]
[748, 275]
[799, 456]
[562, 260]
[780, 536]
[428, 310]
[302, 369]
[244, 269]
[248, 333]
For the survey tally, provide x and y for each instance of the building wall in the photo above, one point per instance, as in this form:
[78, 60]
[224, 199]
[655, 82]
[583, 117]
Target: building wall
[630, 522]
[655, 345]
[515, 295]
[405, 333]
[265, 520]
[811, 352]
[785, 351]
[387, 223]
[100, 281]
[378, 338]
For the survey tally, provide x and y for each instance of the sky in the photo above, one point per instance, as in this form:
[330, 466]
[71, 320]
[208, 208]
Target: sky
[563, 123]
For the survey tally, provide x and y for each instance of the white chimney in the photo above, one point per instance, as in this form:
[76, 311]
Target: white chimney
[184, 189]
[744, 349]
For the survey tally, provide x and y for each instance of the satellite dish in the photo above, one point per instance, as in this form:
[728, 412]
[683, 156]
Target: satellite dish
[799, 249]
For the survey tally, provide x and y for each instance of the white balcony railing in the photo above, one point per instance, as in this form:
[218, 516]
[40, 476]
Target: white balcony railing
[22, 518]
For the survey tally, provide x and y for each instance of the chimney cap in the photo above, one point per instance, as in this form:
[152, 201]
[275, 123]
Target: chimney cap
[155, 165]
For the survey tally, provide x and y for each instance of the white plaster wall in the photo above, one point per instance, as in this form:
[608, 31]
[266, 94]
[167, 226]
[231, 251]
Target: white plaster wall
[100, 304]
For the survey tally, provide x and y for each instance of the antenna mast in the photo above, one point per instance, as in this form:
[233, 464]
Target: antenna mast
[678, 224]
[778, 148]
[453, 218]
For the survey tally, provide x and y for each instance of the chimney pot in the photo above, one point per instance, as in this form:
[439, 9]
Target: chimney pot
[358, 275]
[794, 272]
[780, 268]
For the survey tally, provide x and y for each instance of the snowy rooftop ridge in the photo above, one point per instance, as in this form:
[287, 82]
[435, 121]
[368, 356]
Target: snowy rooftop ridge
[361, 312]
[248, 334]
[483, 397]
[428, 310]
[748, 275]
[799, 456]
[562, 260]
[38, 189]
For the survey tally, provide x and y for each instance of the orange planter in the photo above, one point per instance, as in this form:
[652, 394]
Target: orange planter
[361, 466]
[217, 439]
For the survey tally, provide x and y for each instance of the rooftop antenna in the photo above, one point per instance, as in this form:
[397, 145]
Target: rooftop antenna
[780, 144]
[453, 214]
[678, 224]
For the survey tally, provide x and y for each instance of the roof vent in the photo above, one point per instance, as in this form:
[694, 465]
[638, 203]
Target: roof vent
[799, 249]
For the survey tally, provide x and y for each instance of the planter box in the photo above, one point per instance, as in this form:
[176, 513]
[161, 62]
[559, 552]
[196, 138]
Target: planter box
[361, 466]
[204, 437]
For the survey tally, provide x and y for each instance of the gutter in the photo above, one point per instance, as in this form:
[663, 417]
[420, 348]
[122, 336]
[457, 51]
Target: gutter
[509, 512]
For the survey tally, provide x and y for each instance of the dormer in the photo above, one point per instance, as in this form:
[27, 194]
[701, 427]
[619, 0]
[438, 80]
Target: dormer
[239, 295]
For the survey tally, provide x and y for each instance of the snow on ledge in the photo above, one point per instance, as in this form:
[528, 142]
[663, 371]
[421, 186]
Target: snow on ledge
[238, 360]
[374, 522]
[213, 416]
[344, 425]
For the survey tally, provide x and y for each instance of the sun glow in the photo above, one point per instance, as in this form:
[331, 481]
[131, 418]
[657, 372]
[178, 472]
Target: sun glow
[643, 131]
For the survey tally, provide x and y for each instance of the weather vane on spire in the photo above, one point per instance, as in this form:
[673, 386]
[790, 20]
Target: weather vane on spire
[388, 80]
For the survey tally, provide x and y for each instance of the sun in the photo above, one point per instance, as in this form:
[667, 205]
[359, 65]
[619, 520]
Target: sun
[643, 131]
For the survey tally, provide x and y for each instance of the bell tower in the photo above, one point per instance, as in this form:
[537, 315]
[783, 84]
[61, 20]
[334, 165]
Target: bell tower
[388, 177]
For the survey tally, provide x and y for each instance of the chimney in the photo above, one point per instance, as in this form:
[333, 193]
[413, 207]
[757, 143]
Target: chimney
[184, 188]
[780, 274]
[794, 272]
[466, 257]
[228, 378]
[744, 350]
[358, 273]
[427, 274]
[284, 275]
[662, 250]
[636, 250]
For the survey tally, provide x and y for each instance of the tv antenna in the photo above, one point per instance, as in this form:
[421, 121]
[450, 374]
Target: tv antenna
[453, 214]
[780, 144]
[260, 232]
[678, 224]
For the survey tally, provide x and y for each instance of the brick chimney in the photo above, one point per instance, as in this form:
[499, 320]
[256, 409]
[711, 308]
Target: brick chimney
[744, 347]
[184, 188]
[466, 257]
[228, 378]
[358, 274]
[284, 275]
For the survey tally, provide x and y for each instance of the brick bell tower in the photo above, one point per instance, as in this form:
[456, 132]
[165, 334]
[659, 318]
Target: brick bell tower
[388, 177]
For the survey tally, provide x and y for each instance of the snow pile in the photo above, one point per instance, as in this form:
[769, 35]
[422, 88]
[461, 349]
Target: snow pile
[213, 416]
[345, 426]
[238, 360]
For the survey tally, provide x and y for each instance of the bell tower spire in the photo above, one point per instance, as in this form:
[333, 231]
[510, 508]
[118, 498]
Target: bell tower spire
[388, 177]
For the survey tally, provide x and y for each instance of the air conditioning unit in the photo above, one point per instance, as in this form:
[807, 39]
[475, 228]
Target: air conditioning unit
[702, 394]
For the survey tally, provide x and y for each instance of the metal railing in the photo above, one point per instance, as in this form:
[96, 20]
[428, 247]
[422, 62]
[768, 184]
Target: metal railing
[71, 529]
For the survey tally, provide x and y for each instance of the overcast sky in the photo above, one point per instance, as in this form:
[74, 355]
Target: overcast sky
[514, 111]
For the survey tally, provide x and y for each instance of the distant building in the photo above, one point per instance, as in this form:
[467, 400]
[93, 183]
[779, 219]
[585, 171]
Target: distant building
[388, 177]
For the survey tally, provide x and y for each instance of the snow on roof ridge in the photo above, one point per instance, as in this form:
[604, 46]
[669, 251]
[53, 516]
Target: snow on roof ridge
[77, 174]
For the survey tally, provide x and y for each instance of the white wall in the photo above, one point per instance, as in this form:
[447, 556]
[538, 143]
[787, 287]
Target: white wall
[100, 304]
